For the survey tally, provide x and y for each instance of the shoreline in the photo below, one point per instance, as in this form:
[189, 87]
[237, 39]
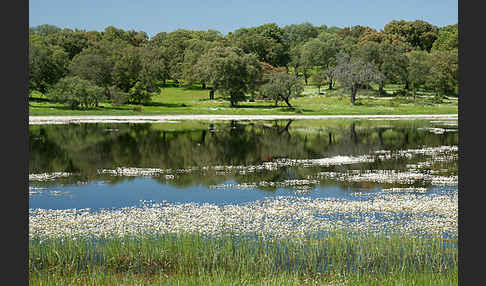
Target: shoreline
[33, 120]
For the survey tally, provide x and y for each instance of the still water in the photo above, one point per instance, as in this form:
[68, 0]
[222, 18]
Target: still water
[106, 166]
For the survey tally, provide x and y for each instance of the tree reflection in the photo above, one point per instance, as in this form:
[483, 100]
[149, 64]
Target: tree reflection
[86, 148]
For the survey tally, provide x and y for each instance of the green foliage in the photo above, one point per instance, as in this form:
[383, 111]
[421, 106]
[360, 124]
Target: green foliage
[127, 68]
[282, 86]
[92, 67]
[191, 72]
[300, 33]
[418, 33]
[267, 49]
[47, 63]
[230, 71]
[447, 39]
[73, 42]
[319, 79]
[173, 47]
[131, 37]
[387, 55]
[355, 32]
[266, 41]
[395, 62]
[117, 96]
[270, 30]
[157, 40]
[444, 71]
[138, 94]
[116, 60]
[137, 108]
[353, 72]
[44, 30]
[153, 67]
[400, 93]
[298, 62]
[209, 35]
[322, 50]
[418, 68]
[76, 92]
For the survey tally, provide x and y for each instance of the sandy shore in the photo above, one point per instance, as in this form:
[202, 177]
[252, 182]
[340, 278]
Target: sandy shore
[168, 118]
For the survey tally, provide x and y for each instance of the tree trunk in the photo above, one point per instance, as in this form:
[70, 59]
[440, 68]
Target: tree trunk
[354, 136]
[380, 88]
[203, 137]
[354, 89]
[204, 85]
[287, 101]
[407, 87]
[286, 128]
[330, 83]
[252, 96]
[233, 124]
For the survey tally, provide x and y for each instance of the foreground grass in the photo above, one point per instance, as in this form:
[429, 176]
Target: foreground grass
[193, 100]
[102, 277]
[338, 259]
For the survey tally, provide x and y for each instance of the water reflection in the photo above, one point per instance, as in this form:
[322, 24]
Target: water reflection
[85, 148]
[201, 156]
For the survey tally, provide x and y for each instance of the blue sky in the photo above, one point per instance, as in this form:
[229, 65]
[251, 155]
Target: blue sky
[154, 16]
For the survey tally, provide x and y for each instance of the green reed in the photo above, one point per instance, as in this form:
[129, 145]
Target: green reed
[339, 256]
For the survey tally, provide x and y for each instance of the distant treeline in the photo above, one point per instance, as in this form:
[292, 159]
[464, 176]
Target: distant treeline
[83, 68]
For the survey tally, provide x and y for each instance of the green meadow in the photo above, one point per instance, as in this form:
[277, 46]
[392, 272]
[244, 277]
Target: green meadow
[195, 100]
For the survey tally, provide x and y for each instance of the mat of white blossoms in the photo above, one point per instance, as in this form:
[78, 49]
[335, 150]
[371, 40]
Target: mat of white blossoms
[407, 210]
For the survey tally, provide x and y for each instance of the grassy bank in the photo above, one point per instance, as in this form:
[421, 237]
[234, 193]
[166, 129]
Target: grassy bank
[339, 259]
[194, 100]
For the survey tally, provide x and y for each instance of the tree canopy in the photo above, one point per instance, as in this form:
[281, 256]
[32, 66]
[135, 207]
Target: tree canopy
[131, 65]
[230, 71]
[282, 86]
[353, 72]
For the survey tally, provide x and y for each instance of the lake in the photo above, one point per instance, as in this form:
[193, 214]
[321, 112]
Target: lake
[280, 176]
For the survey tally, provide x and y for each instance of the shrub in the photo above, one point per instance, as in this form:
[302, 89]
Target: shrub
[139, 94]
[404, 100]
[137, 108]
[438, 99]
[76, 92]
[117, 96]
[400, 92]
